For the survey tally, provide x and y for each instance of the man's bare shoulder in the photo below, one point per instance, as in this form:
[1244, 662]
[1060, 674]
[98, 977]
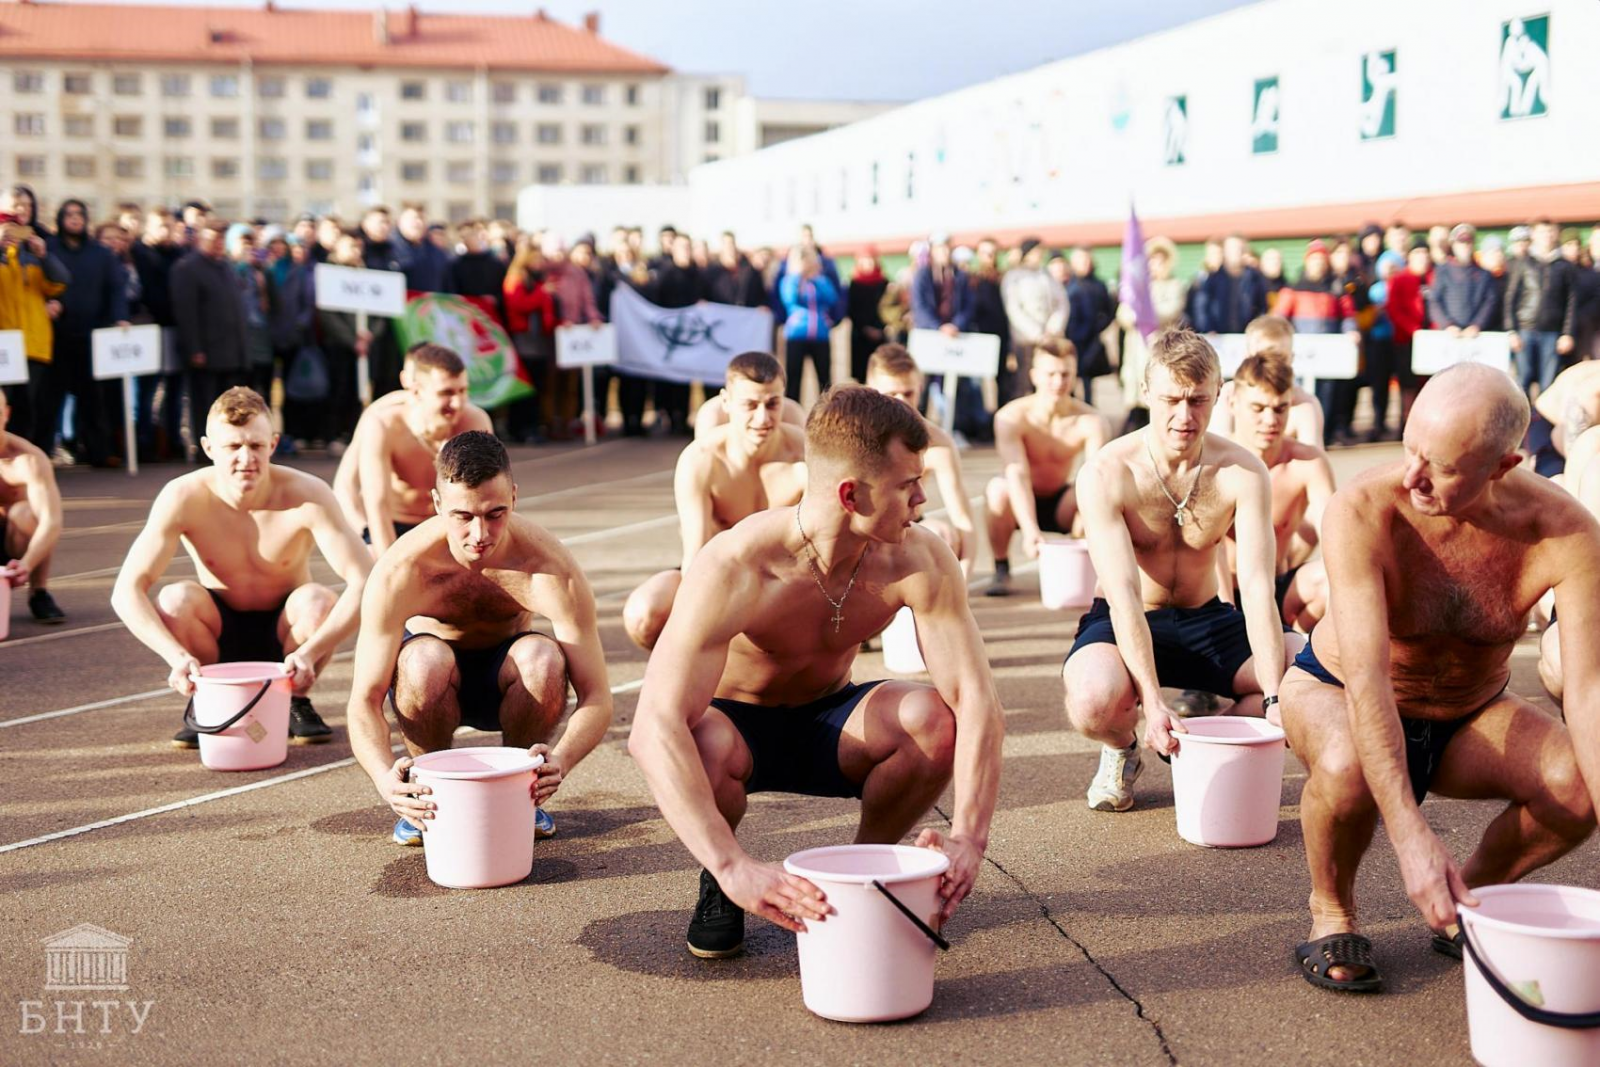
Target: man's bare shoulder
[794, 443]
[534, 548]
[18, 449]
[1015, 412]
[1374, 493]
[699, 454]
[938, 438]
[1298, 452]
[749, 542]
[477, 419]
[1233, 461]
[25, 466]
[293, 487]
[1557, 511]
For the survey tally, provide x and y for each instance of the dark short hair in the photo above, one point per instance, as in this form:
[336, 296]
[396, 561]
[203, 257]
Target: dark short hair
[472, 458]
[757, 367]
[435, 357]
[856, 425]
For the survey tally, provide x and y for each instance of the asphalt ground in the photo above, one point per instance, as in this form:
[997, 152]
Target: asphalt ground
[272, 920]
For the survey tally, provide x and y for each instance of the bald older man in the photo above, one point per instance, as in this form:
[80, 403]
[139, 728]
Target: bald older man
[1449, 549]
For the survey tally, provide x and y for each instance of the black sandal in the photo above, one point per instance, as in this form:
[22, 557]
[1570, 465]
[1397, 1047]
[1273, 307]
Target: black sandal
[1317, 958]
[1448, 945]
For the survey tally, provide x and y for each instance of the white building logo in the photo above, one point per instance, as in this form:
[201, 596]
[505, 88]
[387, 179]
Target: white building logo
[1380, 81]
[1264, 119]
[1524, 67]
[86, 959]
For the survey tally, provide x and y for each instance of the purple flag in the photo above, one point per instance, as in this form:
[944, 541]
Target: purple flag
[1134, 287]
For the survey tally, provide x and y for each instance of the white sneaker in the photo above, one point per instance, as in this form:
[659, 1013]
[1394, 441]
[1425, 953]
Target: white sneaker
[63, 458]
[1112, 788]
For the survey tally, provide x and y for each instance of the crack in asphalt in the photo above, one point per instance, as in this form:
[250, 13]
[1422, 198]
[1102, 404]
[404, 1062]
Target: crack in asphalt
[1111, 979]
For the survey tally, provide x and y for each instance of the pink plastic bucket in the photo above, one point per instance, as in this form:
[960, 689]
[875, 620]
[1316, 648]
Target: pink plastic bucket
[241, 711]
[1066, 575]
[873, 960]
[901, 652]
[1532, 972]
[481, 833]
[5, 605]
[1227, 777]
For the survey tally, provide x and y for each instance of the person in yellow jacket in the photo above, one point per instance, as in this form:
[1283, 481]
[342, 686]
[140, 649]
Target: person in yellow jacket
[30, 279]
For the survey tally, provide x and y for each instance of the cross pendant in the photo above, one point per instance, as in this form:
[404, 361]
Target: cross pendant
[838, 617]
[1178, 516]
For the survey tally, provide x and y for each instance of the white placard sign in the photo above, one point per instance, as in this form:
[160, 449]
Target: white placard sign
[1316, 355]
[966, 355]
[124, 351]
[586, 346]
[13, 358]
[1434, 350]
[377, 292]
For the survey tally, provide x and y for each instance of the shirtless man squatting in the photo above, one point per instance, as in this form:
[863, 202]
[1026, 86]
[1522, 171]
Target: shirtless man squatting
[30, 519]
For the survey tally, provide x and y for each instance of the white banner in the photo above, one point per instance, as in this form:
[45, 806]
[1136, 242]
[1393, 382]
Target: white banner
[1316, 355]
[377, 292]
[1434, 350]
[120, 351]
[692, 344]
[967, 355]
[586, 346]
[13, 358]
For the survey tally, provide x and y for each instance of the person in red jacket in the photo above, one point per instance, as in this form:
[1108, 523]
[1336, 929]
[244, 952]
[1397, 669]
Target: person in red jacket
[1408, 312]
[1317, 303]
[531, 315]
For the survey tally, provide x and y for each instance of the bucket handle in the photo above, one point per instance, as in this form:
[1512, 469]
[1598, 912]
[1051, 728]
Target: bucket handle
[1588, 1020]
[189, 720]
[928, 931]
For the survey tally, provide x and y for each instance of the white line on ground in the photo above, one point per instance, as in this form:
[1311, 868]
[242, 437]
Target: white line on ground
[221, 794]
[58, 635]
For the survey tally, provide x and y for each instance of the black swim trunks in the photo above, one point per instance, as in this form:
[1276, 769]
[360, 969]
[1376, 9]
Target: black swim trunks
[400, 530]
[5, 554]
[1045, 507]
[1426, 739]
[1196, 648]
[479, 668]
[795, 748]
[248, 635]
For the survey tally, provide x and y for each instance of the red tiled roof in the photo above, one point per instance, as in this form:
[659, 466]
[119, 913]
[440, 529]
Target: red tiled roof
[103, 32]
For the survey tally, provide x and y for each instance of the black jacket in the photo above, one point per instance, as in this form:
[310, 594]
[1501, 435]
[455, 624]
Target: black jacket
[154, 264]
[209, 313]
[97, 296]
[1556, 283]
[741, 286]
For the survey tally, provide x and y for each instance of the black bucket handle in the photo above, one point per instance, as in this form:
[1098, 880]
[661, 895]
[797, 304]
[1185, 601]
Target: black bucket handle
[188, 712]
[928, 931]
[1589, 1020]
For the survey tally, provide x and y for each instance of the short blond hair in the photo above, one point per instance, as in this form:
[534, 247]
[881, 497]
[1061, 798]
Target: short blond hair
[1265, 372]
[1274, 334]
[1186, 355]
[238, 406]
[855, 426]
[892, 361]
[1059, 347]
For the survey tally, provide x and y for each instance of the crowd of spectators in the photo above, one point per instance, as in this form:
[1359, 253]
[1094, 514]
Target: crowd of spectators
[236, 301]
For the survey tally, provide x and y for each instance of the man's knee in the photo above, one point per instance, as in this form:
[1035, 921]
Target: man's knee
[930, 725]
[645, 613]
[426, 667]
[183, 600]
[1097, 700]
[309, 605]
[996, 498]
[21, 522]
[1337, 777]
[1564, 803]
[541, 669]
[722, 750]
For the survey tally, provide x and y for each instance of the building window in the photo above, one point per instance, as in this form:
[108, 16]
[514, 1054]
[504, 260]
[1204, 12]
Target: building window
[319, 129]
[276, 210]
[179, 167]
[272, 129]
[365, 104]
[844, 190]
[413, 90]
[458, 132]
[458, 173]
[594, 94]
[593, 133]
[224, 168]
[127, 126]
[911, 175]
[458, 92]
[874, 196]
[175, 85]
[414, 172]
[30, 166]
[504, 132]
[29, 124]
[175, 126]
[713, 131]
[367, 183]
[549, 93]
[630, 134]
[631, 95]
[127, 84]
[366, 143]
[594, 174]
[79, 125]
[319, 170]
[549, 133]
[415, 132]
[549, 174]
[224, 85]
[272, 168]
[225, 129]
[319, 88]
[77, 84]
[130, 167]
[713, 98]
[504, 209]
[458, 211]
[504, 92]
[270, 87]
[27, 81]
[80, 166]
[503, 173]
[630, 174]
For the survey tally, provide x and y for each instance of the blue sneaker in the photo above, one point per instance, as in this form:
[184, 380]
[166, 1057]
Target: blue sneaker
[406, 834]
[543, 825]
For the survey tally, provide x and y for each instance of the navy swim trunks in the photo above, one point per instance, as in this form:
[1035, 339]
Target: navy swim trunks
[1196, 648]
[795, 748]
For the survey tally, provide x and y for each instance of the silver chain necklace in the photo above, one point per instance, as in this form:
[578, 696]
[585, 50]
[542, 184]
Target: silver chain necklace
[816, 573]
[1179, 506]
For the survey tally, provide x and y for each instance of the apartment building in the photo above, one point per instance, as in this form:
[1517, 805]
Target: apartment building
[269, 112]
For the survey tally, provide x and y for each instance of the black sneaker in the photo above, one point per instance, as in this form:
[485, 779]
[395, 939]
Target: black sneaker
[45, 609]
[305, 725]
[185, 738]
[717, 929]
[1000, 584]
